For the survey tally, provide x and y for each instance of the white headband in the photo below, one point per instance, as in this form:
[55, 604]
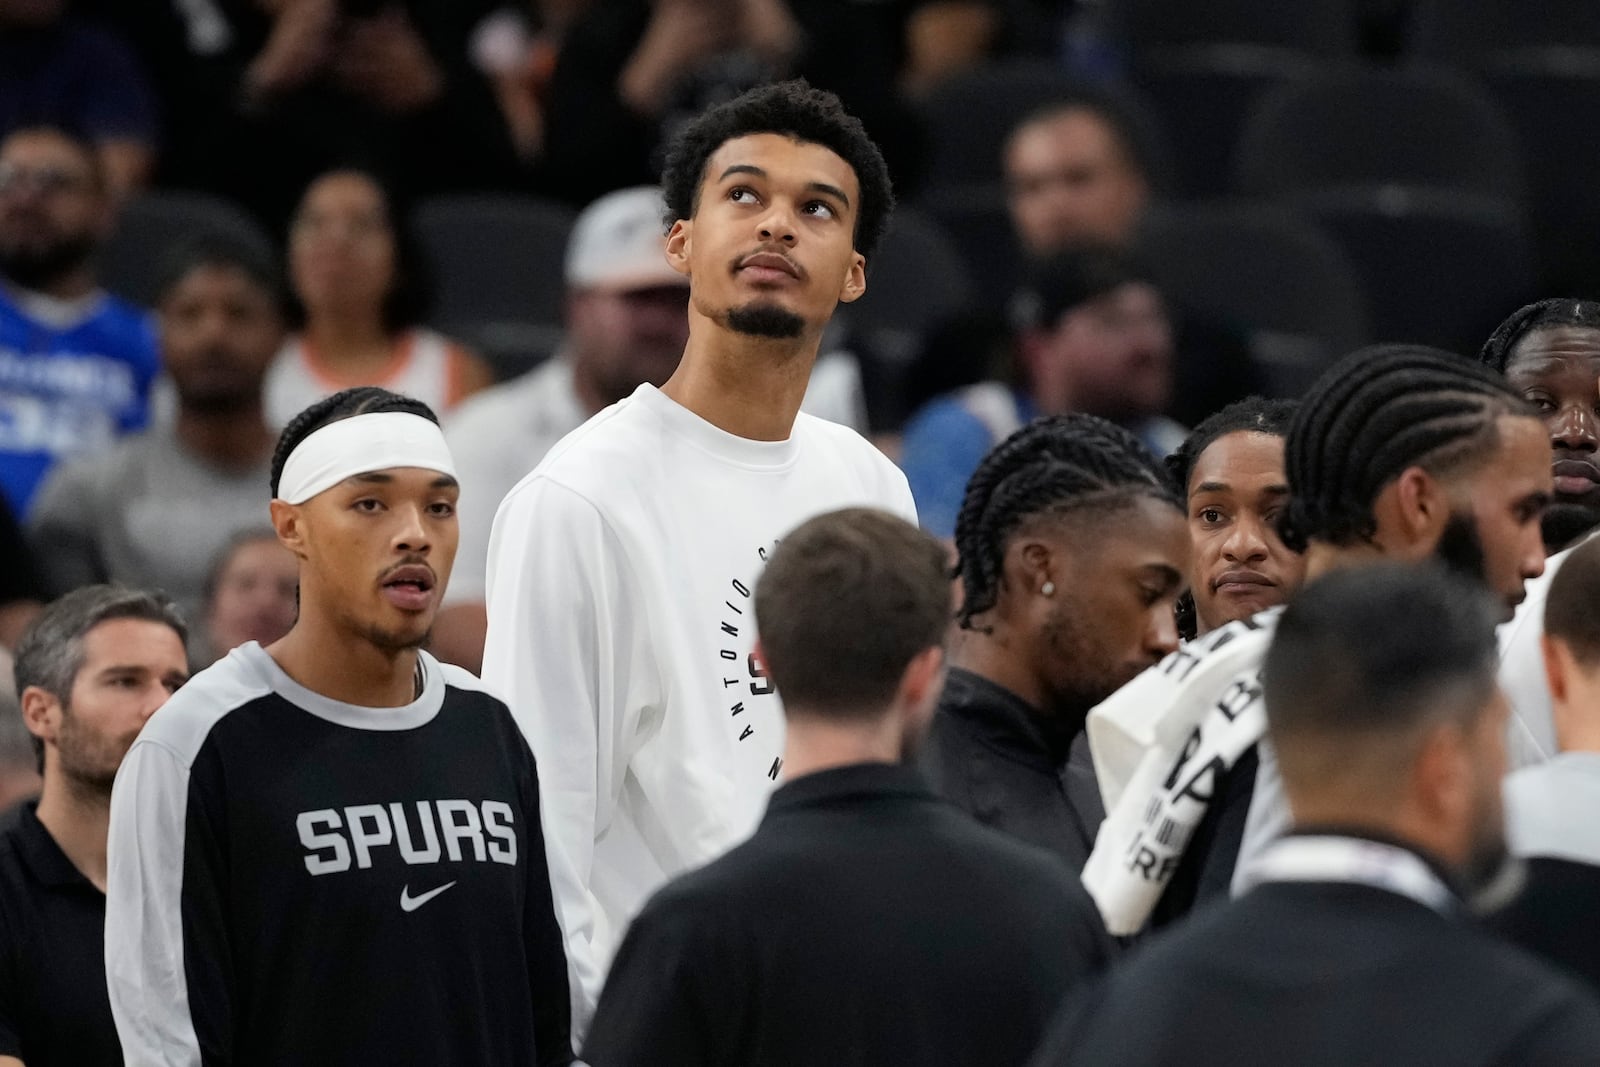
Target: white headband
[362, 444]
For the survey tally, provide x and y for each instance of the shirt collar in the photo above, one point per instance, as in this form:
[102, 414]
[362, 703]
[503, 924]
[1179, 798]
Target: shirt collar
[857, 781]
[46, 862]
[1006, 720]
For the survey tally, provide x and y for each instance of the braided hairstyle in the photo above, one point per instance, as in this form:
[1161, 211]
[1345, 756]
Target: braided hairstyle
[362, 400]
[1372, 415]
[1253, 414]
[1544, 315]
[1054, 465]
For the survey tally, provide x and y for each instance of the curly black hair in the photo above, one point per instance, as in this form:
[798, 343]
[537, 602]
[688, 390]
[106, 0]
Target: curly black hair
[1544, 315]
[347, 403]
[1370, 416]
[1051, 466]
[793, 109]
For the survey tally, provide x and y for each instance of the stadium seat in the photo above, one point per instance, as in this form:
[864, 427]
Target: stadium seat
[976, 220]
[1203, 94]
[969, 117]
[497, 263]
[915, 280]
[1269, 270]
[1551, 96]
[1318, 27]
[152, 225]
[1467, 32]
[1438, 268]
[1356, 126]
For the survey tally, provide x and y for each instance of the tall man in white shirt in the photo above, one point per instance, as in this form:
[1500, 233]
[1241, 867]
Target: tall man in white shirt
[621, 570]
[625, 324]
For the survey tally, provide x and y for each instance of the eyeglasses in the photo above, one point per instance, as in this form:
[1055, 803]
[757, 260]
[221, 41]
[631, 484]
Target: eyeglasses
[46, 180]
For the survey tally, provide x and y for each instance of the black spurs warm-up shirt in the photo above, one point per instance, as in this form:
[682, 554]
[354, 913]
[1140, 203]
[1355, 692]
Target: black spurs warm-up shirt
[298, 881]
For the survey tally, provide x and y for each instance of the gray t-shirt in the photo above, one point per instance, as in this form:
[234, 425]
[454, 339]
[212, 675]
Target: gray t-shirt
[147, 513]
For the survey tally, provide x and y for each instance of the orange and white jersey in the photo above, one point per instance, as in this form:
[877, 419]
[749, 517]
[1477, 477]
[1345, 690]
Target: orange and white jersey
[425, 365]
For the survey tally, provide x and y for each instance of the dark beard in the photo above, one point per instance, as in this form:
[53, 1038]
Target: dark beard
[1461, 548]
[766, 320]
[1565, 523]
[388, 641]
[40, 268]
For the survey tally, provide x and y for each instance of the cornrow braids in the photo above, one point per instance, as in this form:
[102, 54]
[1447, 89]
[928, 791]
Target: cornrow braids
[1544, 315]
[1053, 465]
[1253, 414]
[362, 400]
[1372, 415]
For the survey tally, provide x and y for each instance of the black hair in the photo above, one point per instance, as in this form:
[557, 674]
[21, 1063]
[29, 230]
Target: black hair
[410, 295]
[1131, 127]
[793, 109]
[226, 252]
[1544, 315]
[347, 403]
[1253, 414]
[1053, 465]
[1372, 415]
[1070, 278]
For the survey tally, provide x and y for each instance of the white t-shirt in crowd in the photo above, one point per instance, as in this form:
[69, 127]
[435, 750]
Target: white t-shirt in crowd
[1531, 736]
[621, 626]
[496, 438]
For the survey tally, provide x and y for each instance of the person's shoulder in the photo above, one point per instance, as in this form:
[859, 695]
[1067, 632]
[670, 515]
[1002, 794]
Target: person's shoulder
[527, 411]
[844, 448]
[183, 723]
[1515, 980]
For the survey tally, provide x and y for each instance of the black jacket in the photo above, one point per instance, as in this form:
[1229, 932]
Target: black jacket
[1557, 916]
[1321, 974]
[999, 760]
[866, 923]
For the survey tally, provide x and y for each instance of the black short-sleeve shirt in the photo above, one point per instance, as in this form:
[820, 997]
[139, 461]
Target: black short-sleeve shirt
[53, 1003]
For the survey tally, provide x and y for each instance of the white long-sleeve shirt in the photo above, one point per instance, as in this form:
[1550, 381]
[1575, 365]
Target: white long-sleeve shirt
[621, 625]
[1531, 736]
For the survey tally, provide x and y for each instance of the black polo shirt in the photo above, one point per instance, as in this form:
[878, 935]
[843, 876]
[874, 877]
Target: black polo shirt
[53, 1003]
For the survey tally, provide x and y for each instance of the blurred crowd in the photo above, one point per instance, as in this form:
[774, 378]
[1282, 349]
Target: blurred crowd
[1124, 233]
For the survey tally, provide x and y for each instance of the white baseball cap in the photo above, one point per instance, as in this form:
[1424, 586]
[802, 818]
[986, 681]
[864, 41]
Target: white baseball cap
[619, 242]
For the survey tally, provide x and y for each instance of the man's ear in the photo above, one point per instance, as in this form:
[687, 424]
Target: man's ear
[855, 280]
[678, 239]
[1420, 508]
[41, 712]
[1033, 564]
[1442, 774]
[922, 684]
[1557, 665]
[289, 523]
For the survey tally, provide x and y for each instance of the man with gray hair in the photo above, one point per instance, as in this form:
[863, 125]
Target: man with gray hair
[90, 670]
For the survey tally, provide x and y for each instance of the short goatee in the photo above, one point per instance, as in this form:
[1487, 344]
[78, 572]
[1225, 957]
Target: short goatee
[766, 320]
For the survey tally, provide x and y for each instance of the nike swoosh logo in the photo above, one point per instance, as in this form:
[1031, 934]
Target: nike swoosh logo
[411, 903]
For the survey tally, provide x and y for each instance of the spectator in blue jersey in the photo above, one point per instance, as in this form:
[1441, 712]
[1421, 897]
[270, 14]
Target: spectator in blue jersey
[91, 669]
[56, 69]
[1092, 337]
[155, 508]
[76, 364]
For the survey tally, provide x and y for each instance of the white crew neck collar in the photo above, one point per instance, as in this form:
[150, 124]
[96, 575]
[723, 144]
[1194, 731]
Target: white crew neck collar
[419, 712]
[717, 442]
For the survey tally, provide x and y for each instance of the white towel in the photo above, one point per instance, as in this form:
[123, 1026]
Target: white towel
[1161, 745]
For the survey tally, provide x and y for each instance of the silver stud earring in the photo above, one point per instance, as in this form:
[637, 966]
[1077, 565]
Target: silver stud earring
[1048, 589]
